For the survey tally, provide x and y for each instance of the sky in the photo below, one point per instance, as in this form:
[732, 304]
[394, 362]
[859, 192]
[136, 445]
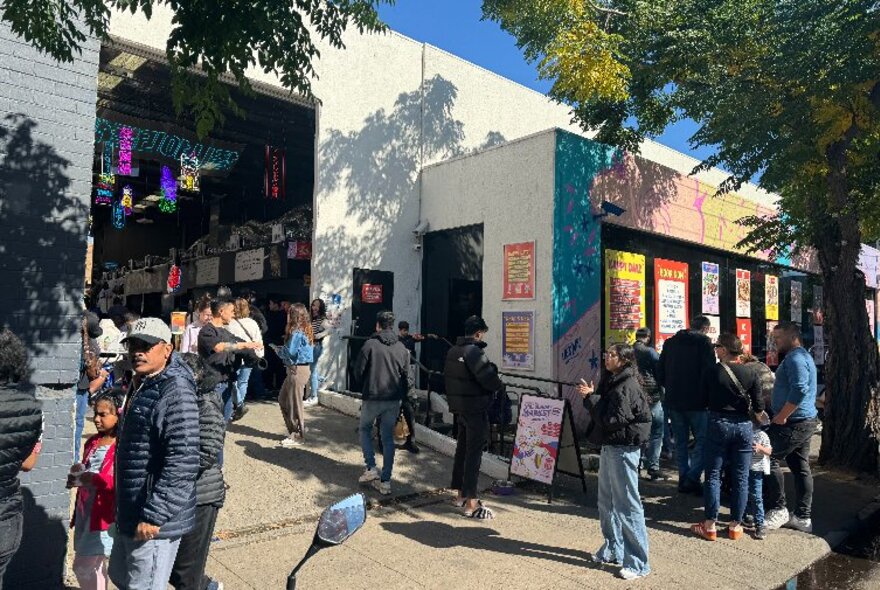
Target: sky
[455, 26]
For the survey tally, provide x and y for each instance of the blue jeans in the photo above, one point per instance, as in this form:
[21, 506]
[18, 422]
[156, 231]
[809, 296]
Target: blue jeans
[655, 442]
[756, 496]
[387, 412]
[621, 515]
[142, 565]
[257, 385]
[82, 406]
[683, 424]
[316, 354]
[241, 386]
[727, 440]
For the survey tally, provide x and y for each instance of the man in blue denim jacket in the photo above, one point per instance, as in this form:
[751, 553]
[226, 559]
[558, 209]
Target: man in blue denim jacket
[793, 427]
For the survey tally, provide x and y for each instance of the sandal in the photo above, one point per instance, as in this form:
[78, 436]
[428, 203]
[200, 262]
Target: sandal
[700, 530]
[479, 513]
[734, 534]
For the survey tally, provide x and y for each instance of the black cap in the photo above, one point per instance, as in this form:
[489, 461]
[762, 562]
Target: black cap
[475, 324]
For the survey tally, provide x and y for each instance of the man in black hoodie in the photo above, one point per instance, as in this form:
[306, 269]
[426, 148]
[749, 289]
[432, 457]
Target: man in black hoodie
[686, 357]
[382, 371]
[471, 381]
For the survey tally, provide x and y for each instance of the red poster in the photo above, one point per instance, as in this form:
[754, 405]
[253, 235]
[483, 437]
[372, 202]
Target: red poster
[744, 331]
[299, 250]
[519, 271]
[670, 299]
[371, 293]
[275, 178]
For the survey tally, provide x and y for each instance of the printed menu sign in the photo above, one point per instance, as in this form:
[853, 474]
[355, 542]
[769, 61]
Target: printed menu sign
[517, 340]
[671, 298]
[797, 302]
[743, 294]
[519, 271]
[624, 295]
[771, 297]
[711, 288]
[536, 445]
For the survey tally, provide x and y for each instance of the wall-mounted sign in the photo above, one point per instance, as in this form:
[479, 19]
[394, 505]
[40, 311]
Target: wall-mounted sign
[518, 340]
[819, 345]
[277, 233]
[175, 279]
[797, 302]
[249, 265]
[127, 199]
[275, 177]
[117, 215]
[743, 293]
[624, 296]
[371, 293]
[744, 332]
[104, 189]
[168, 203]
[299, 250]
[670, 299]
[519, 271]
[189, 178]
[869, 305]
[771, 297]
[714, 327]
[207, 271]
[711, 288]
[123, 165]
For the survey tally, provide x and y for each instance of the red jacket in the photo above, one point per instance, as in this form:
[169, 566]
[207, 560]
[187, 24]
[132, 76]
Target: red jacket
[103, 486]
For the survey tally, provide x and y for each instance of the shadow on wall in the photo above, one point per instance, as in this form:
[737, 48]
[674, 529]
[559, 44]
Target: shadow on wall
[42, 244]
[40, 558]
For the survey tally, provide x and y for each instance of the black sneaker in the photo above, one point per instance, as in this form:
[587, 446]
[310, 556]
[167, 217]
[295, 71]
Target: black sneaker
[748, 521]
[760, 533]
[658, 475]
[690, 487]
[239, 412]
[411, 447]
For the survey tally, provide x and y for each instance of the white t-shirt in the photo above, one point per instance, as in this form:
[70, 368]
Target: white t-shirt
[248, 330]
[760, 461]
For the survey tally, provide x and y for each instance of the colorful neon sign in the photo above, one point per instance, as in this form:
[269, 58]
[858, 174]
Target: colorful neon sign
[168, 203]
[174, 279]
[127, 200]
[275, 177]
[189, 173]
[104, 189]
[123, 167]
[118, 215]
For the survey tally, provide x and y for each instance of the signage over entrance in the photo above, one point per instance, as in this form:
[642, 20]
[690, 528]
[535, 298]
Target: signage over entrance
[371, 293]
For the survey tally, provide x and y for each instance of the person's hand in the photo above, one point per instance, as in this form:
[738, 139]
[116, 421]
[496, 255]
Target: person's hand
[779, 420]
[586, 389]
[257, 345]
[103, 374]
[145, 531]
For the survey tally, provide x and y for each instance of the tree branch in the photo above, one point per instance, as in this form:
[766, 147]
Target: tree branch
[605, 9]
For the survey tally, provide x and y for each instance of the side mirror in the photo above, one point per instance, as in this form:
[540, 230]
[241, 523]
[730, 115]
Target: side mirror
[341, 520]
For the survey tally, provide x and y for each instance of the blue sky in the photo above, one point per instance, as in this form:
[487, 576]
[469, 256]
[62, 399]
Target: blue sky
[455, 26]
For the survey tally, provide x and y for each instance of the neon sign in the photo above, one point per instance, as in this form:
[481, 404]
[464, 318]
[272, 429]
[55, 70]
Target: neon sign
[104, 189]
[118, 215]
[168, 204]
[189, 173]
[123, 167]
[275, 173]
[127, 200]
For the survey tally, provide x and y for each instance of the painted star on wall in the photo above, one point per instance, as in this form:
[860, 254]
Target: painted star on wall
[594, 361]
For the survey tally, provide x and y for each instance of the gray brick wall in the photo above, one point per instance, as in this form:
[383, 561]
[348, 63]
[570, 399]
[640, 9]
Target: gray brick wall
[47, 118]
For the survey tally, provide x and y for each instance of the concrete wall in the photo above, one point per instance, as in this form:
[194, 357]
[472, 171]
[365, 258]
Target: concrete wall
[509, 190]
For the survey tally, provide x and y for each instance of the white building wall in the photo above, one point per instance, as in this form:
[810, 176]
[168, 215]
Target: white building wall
[510, 191]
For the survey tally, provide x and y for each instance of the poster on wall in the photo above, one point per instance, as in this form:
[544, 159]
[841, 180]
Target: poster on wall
[371, 293]
[670, 299]
[714, 327]
[771, 297]
[207, 271]
[249, 265]
[518, 340]
[744, 332]
[797, 302]
[178, 322]
[819, 345]
[538, 431]
[624, 295]
[772, 352]
[519, 271]
[299, 250]
[743, 293]
[869, 304]
[711, 289]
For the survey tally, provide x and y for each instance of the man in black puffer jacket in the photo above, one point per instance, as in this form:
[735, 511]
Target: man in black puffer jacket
[157, 460]
[471, 381]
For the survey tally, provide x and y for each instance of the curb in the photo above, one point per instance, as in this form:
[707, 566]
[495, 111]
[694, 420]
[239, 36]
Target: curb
[837, 537]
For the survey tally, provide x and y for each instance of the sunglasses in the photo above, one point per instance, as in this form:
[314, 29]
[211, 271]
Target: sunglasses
[140, 346]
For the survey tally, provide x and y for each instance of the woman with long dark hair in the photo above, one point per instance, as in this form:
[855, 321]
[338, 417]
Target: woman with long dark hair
[297, 357]
[621, 423]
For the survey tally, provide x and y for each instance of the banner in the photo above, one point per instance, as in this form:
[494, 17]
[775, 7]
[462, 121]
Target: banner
[743, 294]
[624, 296]
[670, 299]
[536, 445]
[744, 331]
[519, 271]
[711, 289]
[869, 304]
[275, 179]
[518, 340]
[178, 322]
[772, 352]
[371, 293]
[797, 302]
[771, 297]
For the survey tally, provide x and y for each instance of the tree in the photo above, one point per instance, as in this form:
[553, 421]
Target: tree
[221, 39]
[788, 89]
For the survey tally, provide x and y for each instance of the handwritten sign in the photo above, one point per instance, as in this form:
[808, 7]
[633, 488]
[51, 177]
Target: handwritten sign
[519, 271]
[207, 271]
[797, 302]
[711, 288]
[518, 340]
[771, 297]
[249, 265]
[624, 295]
[671, 298]
[743, 293]
[538, 430]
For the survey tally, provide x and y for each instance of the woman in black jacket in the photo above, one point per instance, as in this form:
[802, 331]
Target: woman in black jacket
[733, 393]
[621, 423]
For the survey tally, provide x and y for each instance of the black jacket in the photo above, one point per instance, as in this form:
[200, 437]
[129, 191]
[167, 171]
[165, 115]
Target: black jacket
[724, 397]
[157, 454]
[212, 430]
[382, 368]
[619, 410]
[647, 360]
[20, 427]
[471, 379]
[686, 357]
[258, 317]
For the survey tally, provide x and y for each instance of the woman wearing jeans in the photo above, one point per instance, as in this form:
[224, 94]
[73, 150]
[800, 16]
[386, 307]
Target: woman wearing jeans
[621, 423]
[319, 332]
[733, 392]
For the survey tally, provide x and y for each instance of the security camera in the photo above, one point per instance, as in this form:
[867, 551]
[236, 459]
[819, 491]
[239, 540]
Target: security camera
[417, 247]
[421, 229]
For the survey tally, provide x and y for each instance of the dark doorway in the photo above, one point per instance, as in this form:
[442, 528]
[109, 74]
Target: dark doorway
[465, 300]
[373, 291]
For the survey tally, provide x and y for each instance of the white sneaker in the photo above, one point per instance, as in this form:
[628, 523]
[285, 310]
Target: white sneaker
[776, 519]
[312, 401]
[383, 487]
[805, 525]
[628, 574]
[369, 475]
[291, 442]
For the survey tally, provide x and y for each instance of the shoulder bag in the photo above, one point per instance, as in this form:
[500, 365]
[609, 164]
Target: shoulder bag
[741, 390]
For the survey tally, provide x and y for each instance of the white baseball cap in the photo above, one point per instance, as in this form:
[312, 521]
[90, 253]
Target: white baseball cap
[149, 330]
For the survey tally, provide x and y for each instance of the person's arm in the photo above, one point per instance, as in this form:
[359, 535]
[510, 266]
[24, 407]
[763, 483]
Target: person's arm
[31, 460]
[756, 394]
[798, 380]
[211, 433]
[362, 364]
[97, 383]
[483, 371]
[186, 339]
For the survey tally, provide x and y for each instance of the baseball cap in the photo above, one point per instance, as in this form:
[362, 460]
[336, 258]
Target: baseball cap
[475, 324]
[149, 330]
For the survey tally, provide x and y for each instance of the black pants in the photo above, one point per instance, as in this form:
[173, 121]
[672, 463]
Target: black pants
[188, 572]
[10, 538]
[791, 442]
[473, 431]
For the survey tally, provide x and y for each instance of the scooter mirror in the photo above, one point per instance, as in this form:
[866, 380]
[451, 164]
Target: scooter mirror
[342, 520]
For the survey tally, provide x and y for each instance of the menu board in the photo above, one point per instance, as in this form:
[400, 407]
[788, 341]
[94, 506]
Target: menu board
[797, 302]
[207, 271]
[519, 271]
[772, 351]
[743, 293]
[744, 331]
[624, 295]
[249, 265]
[771, 297]
[671, 299]
[711, 288]
[518, 340]
[536, 445]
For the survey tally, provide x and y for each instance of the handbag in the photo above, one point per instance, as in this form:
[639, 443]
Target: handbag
[741, 390]
[401, 430]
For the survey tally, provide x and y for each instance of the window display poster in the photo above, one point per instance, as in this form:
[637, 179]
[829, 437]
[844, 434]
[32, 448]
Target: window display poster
[670, 298]
[744, 332]
[519, 271]
[178, 322]
[869, 304]
[771, 297]
[819, 345]
[772, 352]
[624, 295]
[743, 293]
[714, 327]
[797, 302]
[711, 288]
[536, 445]
[518, 340]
